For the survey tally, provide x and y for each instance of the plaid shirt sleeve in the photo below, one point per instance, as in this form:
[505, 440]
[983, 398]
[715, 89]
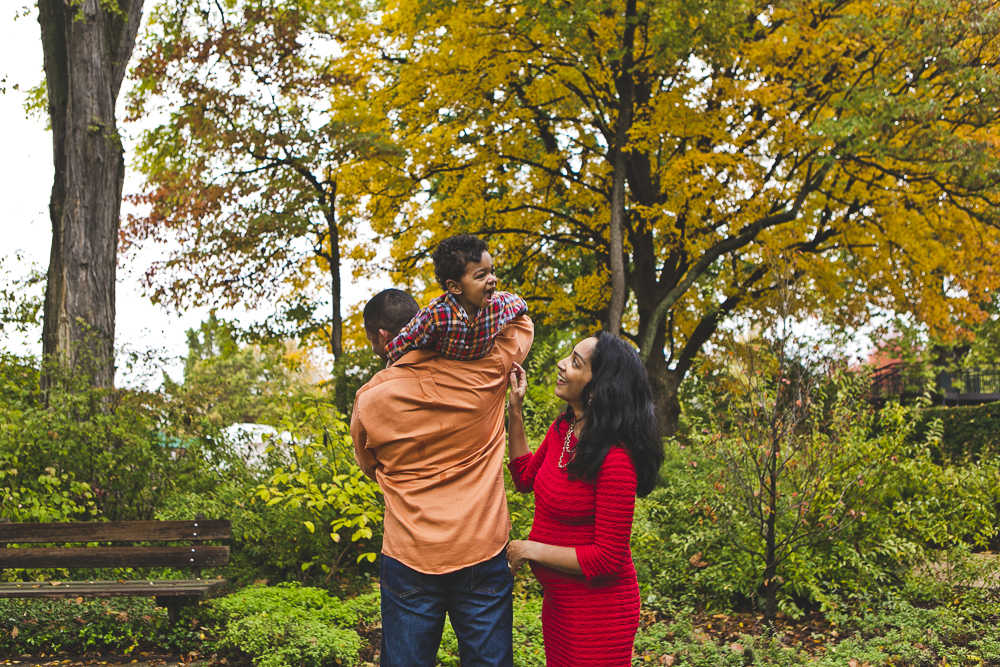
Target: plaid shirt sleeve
[478, 341]
[426, 327]
[439, 326]
[510, 306]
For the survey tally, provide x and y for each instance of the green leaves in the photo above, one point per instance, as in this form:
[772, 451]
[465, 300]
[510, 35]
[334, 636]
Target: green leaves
[323, 478]
[261, 170]
[290, 625]
[20, 298]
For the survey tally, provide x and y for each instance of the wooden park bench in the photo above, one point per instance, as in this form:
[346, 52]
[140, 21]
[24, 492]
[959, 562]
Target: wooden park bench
[170, 593]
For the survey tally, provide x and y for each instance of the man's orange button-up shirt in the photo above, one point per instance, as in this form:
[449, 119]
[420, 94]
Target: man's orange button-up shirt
[430, 431]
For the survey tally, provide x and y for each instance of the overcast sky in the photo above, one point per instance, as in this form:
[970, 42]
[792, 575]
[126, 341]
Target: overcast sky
[24, 188]
[27, 180]
[24, 191]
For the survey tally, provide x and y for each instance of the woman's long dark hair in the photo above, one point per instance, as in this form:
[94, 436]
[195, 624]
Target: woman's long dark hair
[618, 409]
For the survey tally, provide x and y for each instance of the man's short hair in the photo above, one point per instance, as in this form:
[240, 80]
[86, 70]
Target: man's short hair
[452, 254]
[390, 309]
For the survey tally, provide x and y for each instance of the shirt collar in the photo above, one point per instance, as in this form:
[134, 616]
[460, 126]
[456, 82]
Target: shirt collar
[464, 316]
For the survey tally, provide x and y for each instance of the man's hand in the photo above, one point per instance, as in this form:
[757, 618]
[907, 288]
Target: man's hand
[517, 554]
[518, 387]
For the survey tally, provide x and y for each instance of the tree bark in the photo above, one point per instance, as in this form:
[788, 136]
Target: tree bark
[86, 46]
[770, 541]
[664, 383]
[616, 246]
[336, 322]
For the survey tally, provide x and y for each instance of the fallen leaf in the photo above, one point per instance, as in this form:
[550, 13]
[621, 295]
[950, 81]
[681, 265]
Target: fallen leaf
[668, 660]
[13, 633]
[736, 648]
[697, 561]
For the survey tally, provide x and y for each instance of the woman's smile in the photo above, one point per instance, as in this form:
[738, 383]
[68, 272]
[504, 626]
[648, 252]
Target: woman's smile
[573, 373]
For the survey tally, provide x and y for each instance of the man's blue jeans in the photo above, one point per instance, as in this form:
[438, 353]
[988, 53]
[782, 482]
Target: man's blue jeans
[478, 599]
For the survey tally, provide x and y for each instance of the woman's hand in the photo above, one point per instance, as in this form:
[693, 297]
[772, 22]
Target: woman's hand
[518, 387]
[563, 559]
[517, 554]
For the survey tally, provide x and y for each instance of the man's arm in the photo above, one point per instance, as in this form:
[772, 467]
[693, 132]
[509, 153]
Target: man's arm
[513, 343]
[359, 436]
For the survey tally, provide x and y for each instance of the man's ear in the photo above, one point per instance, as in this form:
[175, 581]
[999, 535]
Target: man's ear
[384, 337]
[453, 287]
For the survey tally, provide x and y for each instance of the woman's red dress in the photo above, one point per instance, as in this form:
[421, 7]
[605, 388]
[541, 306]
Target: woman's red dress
[588, 620]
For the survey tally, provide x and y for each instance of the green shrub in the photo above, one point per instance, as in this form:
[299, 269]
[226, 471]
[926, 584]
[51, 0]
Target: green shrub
[90, 454]
[317, 472]
[270, 542]
[281, 640]
[689, 549]
[290, 625]
[895, 631]
[677, 522]
[53, 626]
[529, 650]
[890, 632]
[968, 434]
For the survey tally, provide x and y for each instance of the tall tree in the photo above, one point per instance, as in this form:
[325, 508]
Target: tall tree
[87, 45]
[257, 170]
[857, 136]
[625, 89]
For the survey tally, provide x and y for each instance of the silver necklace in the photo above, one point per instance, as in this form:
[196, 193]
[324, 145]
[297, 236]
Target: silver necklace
[565, 449]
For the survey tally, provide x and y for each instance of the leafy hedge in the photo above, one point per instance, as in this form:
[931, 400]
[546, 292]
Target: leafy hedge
[967, 433]
[50, 628]
[290, 625]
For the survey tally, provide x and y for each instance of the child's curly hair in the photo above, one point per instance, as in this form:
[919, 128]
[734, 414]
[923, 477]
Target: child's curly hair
[453, 254]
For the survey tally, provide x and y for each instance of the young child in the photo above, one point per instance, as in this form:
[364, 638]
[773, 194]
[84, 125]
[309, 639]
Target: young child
[463, 322]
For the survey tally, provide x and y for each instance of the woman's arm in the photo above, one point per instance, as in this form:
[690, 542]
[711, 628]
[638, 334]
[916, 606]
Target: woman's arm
[523, 464]
[608, 553]
[517, 441]
[558, 558]
[616, 484]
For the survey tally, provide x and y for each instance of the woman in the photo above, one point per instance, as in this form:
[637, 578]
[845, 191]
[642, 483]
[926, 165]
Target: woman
[598, 455]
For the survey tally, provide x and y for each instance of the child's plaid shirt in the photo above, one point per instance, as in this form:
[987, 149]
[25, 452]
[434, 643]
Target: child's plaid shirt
[444, 326]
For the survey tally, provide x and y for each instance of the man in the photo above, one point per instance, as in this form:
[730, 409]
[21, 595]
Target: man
[430, 431]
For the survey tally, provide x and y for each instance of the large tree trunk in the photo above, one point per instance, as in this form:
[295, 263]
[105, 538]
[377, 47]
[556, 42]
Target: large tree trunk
[664, 382]
[625, 85]
[86, 45]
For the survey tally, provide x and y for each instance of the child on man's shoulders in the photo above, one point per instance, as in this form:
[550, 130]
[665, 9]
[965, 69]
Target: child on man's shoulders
[462, 323]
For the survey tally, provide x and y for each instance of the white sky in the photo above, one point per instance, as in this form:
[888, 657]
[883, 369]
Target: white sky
[24, 190]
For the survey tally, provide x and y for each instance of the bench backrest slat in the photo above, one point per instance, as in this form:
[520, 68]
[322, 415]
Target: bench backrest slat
[98, 557]
[115, 531]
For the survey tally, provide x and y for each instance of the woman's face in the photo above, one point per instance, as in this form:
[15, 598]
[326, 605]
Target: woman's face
[574, 372]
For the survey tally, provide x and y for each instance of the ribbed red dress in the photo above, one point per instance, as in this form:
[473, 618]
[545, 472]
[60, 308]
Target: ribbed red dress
[589, 620]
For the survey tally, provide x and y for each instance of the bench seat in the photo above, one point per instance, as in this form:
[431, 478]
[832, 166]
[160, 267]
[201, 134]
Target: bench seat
[54, 590]
[170, 593]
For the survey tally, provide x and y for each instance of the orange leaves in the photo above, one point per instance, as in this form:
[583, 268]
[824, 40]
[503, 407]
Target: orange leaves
[262, 170]
[835, 142]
